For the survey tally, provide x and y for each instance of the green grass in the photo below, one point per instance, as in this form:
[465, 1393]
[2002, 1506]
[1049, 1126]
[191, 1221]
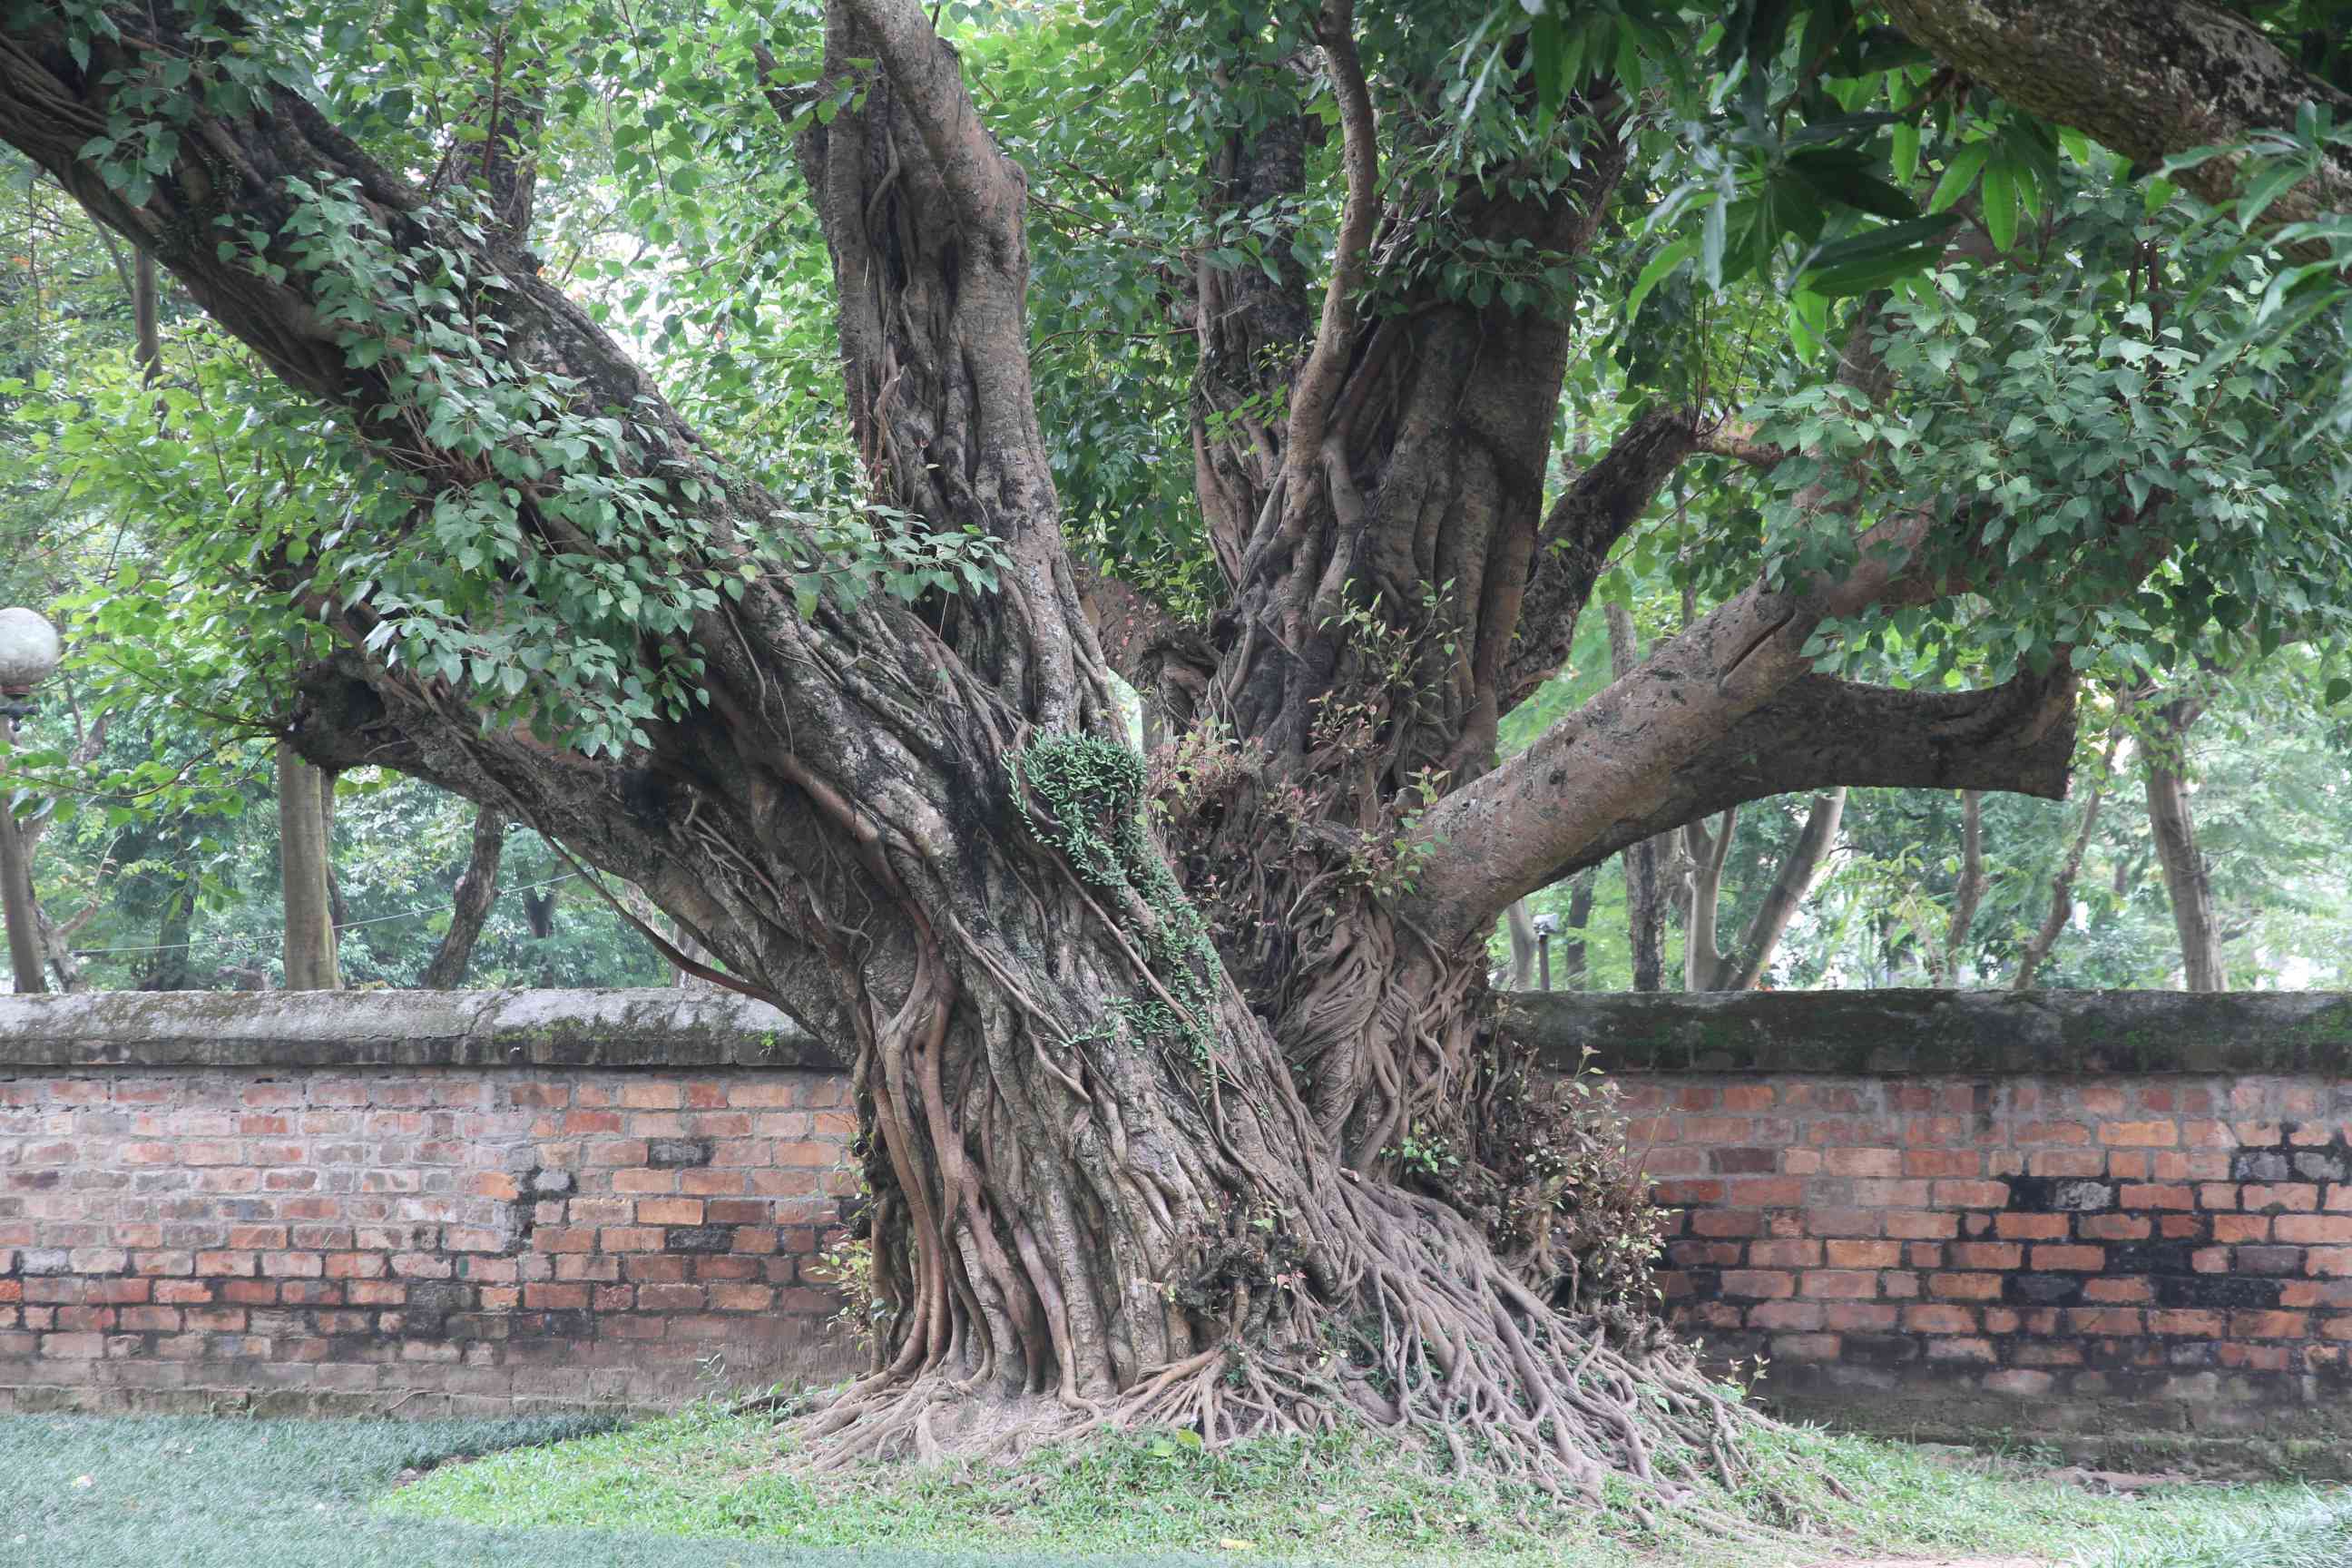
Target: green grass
[709, 1489]
[94, 1492]
[1353, 1501]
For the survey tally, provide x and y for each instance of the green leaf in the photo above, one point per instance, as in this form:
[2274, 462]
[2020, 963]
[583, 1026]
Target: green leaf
[1905, 157]
[2000, 204]
[1842, 178]
[1959, 174]
[1662, 264]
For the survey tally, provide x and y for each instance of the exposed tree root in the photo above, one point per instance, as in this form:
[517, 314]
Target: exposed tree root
[1434, 1342]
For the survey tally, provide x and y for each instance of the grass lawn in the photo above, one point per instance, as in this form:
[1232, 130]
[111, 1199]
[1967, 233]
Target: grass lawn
[707, 1488]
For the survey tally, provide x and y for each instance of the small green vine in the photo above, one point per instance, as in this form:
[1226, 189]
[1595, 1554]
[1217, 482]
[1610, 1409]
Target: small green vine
[1089, 793]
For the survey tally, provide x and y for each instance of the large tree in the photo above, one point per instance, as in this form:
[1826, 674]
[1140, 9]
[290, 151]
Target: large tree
[1180, 1097]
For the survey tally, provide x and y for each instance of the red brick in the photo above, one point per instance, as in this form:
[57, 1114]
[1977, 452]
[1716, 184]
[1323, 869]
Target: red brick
[2102, 1320]
[1966, 1287]
[2136, 1196]
[2298, 1197]
[1784, 1254]
[1974, 1349]
[1921, 1224]
[1865, 1254]
[1787, 1315]
[1985, 1253]
[2051, 1133]
[2129, 1291]
[741, 1298]
[2067, 1163]
[2139, 1134]
[2235, 1228]
[1841, 1282]
[1943, 1162]
[1728, 1222]
[2073, 1259]
[1939, 1320]
[669, 1297]
[1971, 1194]
[2268, 1325]
[631, 1238]
[1862, 1162]
[2110, 1227]
[2302, 1227]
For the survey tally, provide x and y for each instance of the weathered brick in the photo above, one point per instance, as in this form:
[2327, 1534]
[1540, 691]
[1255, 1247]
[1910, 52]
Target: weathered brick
[2063, 1259]
[1971, 1194]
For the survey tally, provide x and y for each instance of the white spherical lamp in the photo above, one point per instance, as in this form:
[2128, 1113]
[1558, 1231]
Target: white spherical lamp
[29, 651]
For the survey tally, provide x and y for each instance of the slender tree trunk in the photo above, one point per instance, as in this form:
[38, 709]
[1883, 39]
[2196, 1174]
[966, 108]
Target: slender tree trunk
[1967, 892]
[1645, 904]
[146, 317]
[2061, 885]
[338, 914]
[1522, 945]
[25, 955]
[478, 889]
[2188, 880]
[1575, 949]
[1708, 851]
[1762, 938]
[309, 948]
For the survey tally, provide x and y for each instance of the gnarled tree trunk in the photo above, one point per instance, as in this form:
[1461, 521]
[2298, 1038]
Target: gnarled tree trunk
[1133, 1090]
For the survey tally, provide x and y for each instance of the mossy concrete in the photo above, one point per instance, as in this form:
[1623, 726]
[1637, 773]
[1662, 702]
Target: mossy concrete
[1885, 1033]
[621, 1028]
[1901, 1033]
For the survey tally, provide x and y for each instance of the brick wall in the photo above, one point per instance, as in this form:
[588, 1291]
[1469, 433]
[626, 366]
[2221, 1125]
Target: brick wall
[368, 1202]
[2122, 1221]
[2133, 1263]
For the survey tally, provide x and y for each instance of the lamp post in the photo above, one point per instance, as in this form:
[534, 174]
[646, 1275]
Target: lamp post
[29, 652]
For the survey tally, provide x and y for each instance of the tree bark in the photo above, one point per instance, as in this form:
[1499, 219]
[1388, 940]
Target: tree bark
[1117, 1173]
[478, 889]
[2061, 885]
[2188, 880]
[1804, 862]
[310, 946]
[2148, 79]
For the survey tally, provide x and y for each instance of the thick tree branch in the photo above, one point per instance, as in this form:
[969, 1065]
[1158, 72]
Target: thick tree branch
[2147, 78]
[986, 185]
[1815, 733]
[1574, 544]
[1517, 829]
[1335, 335]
